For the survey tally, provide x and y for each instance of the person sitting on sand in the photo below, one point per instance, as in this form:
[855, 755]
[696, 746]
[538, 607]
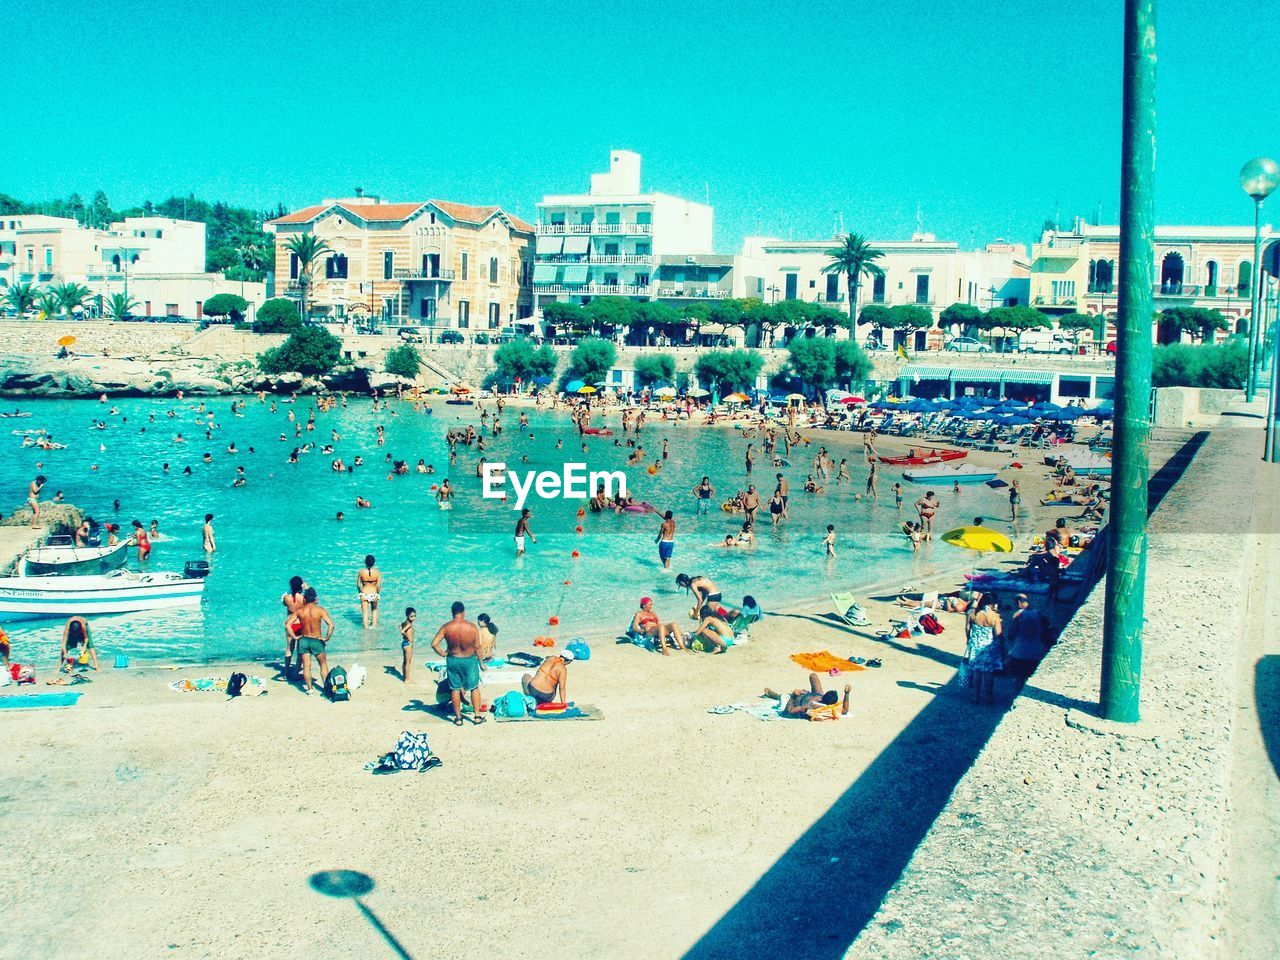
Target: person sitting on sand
[551, 683]
[714, 631]
[77, 645]
[646, 623]
[488, 637]
[800, 702]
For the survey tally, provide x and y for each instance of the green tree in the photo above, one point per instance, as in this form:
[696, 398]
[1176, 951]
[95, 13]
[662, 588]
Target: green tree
[909, 316]
[565, 316]
[226, 305]
[1222, 366]
[729, 369]
[829, 320]
[615, 313]
[1073, 324]
[812, 361]
[120, 305]
[654, 315]
[277, 315]
[47, 303]
[852, 362]
[878, 317]
[311, 351]
[403, 361]
[963, 315]
[20, 297]
[1201, 322]
[855, 258]
[520, 360]
[71, 296]
[728, 314]
[591, 360]
[654, 368]
[308, 248]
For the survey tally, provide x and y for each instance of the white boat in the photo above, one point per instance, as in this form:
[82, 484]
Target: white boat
[945, 475]
[61, 557]
[120, 591]
[1085, 464]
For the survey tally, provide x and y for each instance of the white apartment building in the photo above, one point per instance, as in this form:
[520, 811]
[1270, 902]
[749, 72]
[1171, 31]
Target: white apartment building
[158, 261]
[610, 241]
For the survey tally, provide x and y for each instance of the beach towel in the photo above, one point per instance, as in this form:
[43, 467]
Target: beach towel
[760, 709]
[580, 711]
[825, 662]
[254, 688]
[33, 701]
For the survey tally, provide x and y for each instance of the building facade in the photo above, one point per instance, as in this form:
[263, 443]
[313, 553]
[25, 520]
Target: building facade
[432, 263]
[1076, 269]
[614, 240]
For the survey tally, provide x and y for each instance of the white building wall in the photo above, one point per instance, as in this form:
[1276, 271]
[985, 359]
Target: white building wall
[181, 295]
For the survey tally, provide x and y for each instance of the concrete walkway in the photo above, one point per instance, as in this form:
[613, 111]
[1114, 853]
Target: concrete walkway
[14, 542]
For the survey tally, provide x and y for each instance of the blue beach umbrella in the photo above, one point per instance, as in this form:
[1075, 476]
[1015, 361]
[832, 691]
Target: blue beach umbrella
[919, 406]
[573, 386]
[542, 381]
[1104, 411]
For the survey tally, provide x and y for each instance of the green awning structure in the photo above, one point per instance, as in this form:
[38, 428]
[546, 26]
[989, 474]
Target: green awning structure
[548, 245]
[576, 244]
[544, 272]
[1027, 376]
[575, 273]
[912, 372]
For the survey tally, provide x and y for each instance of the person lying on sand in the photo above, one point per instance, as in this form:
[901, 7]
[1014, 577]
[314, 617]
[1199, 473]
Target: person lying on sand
[958, 601]
[800, 702]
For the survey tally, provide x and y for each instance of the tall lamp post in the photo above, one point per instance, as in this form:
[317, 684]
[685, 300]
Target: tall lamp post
[1258, 177]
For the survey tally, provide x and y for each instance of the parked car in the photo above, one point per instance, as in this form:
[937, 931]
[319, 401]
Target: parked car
[410, 335]
[1044, 341]
[450, 336]
[967, 345]
[482, 338]
[1111, 347]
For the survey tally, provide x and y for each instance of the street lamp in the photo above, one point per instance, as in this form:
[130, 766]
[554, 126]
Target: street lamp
[1258, 177]
[773, 294]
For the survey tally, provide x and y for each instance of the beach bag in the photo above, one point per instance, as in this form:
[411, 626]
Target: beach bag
[510, 704]
[412, 752]
[235, 685]
[335, 686]
[356, 676]
[930, 625]
[578, 647]
[22, 673]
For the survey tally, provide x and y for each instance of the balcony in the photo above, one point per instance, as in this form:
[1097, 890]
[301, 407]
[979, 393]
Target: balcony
[613, 229]
[603, 259]
[694, 291]
[445, 276]
[1175, 290]
[1052, 301]
[596, 289]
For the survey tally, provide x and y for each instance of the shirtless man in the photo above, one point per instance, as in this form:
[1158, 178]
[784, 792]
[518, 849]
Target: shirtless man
[666, 539]
[369, 589]
[551, 683]
[927, 506]
[750, 504]
[311, 642]
[456, 641]
[802, 701]
[783, 490]
[646, 623]
[522, 531]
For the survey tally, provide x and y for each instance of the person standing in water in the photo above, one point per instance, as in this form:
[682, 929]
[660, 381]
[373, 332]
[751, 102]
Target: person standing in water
[369, 589]
[522, 531]
[210, 543]
[142, 540]
[33, 497]
[666, 539]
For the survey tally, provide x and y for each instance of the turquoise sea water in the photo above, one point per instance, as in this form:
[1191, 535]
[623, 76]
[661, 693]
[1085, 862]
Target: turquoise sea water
[282, 522]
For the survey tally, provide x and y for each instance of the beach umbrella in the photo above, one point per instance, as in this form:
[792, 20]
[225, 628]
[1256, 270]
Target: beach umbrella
[665, 392]
[1065, 414]
[66, 341]
[698, 392]
[542, 381]
[459, 391]
[573, 386]
[793, 397]
[586, 390]
[737, 398]
[920, 405]
[979, 539]
[837, 395]
[851, 400]
[881, 404]
[1104, 411]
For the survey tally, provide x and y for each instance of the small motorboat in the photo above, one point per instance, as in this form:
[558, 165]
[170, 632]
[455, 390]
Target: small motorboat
[61, 557]
[1084, 463]
[15, 415]
[120, 591]
[944, 475]
[923, 458]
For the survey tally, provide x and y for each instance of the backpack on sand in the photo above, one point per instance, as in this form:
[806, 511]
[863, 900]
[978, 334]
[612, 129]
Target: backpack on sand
[235, 684]
[929, 624]
[510, 704]
[335, 686]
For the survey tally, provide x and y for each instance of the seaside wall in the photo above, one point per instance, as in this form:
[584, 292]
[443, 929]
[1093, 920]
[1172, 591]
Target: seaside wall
[39, 338]
[1072, 837]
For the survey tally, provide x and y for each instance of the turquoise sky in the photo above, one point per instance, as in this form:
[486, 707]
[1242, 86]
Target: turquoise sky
[987, 116]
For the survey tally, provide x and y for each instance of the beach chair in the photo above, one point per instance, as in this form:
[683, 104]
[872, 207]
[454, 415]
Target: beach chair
[848, 611]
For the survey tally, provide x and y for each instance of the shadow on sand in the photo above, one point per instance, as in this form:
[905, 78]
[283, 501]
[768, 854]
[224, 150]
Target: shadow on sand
[1266, 692]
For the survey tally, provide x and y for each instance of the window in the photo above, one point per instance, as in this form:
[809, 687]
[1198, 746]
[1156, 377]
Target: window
[428, 308]
[833, 287]
[48, 258]
[1244, 278]
[1064, 289]
[199, 309]
[1211, 279]
[495, 315]
[464, 313]
[644, 216]
[557, 219]
[813, 284]
[293, 266]
[613, 217]
[388, 264]
[643, 250]
[335, 268]
[877, 289]
[433, 216]
[792, 281]
[466, 259]
[1105, 388]
[431, 264]
[159, 234]
[610, 249]
[171, 310]
[922, 288]
[115, 263]
[642, 279]
[493, 269]
[1074, 386]
[610, 280]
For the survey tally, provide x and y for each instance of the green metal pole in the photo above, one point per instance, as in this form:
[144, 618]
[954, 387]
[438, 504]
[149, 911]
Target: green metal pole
[1127, 543]
[1255, 325]
[1273, 421]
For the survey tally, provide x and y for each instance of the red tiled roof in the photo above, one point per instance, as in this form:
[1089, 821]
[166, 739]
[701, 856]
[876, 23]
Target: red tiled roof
[384, 212]
[303, 215]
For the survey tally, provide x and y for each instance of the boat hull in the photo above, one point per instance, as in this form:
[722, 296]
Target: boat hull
[74, 561]
[29, 598]
[948, 477]
[940, 456]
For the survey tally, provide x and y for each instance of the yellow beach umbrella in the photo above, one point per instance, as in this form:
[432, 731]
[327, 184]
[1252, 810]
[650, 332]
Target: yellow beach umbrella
[66, 341]
[793, 397]
[981, 539]
[459, 391]
[587, 389]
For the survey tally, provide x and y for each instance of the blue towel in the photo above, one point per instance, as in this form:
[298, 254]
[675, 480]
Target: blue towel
[31, 701]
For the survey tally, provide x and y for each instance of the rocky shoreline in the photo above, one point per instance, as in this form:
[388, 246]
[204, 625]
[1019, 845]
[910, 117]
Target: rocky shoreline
[81, 377]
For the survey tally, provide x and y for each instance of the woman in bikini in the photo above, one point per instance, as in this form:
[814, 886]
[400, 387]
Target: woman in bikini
[33, 498]
[369, 589]
[292, 600]
[705, 593]
[551, 683]
[649, 624]
[927, 506]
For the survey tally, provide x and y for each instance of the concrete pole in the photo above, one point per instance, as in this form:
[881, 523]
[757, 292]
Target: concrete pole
[1127, 543]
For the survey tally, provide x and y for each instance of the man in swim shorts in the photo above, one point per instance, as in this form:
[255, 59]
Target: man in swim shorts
[522, 531]
[551, 683]
[311, 643]
[456, 641]
[666, 539]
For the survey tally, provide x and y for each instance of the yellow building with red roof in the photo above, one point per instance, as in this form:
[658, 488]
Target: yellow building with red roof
[430, 263]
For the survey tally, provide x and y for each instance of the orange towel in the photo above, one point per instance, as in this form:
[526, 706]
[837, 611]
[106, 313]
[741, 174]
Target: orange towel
[825, 662]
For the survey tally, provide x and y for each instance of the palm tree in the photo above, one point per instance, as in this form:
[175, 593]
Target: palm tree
[20, 297]
[71, 296]
[48, 304]
[855, 258]
[308, 248]
[120, 305]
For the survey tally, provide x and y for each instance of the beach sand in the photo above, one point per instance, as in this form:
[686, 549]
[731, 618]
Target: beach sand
[144, 822]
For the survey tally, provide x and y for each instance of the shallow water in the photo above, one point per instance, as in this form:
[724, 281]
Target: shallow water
[283, 523]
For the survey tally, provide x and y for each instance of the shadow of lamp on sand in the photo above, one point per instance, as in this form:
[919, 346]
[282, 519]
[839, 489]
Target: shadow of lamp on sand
[353, 885]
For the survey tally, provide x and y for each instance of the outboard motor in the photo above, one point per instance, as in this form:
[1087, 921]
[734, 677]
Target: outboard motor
[196, 569]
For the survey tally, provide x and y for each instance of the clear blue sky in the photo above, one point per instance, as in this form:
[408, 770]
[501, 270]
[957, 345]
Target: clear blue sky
[988, 115]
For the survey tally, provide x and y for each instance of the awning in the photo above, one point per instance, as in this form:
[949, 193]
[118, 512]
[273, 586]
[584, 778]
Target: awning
[913, 372]
[575, 273]
[544, 272]
[1027, 376]
[575, 244]
[548, 245]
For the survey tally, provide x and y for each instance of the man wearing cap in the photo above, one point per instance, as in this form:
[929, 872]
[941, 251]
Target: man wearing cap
[646, 623]
[551, 683]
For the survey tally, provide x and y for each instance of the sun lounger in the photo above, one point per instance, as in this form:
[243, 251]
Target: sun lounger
[848, 610]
